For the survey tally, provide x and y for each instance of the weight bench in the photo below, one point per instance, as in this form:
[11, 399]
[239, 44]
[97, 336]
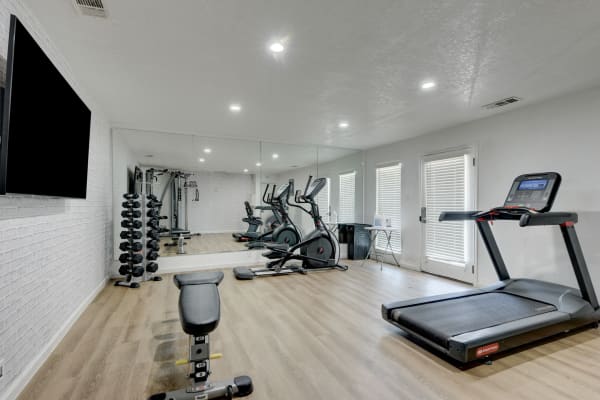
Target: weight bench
[199, 312]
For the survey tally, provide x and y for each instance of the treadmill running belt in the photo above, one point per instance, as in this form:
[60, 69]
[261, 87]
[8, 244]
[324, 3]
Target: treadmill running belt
[439, 321]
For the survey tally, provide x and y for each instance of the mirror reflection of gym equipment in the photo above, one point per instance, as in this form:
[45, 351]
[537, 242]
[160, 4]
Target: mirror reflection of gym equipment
[179, 193]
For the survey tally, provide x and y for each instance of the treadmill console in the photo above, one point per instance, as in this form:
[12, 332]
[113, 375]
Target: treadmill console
[534, 191]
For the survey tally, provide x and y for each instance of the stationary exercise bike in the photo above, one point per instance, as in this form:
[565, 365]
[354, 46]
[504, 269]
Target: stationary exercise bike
[318, 251]
[285, 234]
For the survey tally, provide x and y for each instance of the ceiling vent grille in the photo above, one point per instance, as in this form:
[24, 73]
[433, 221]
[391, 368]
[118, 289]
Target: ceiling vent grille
[93, 8]
[502, 103]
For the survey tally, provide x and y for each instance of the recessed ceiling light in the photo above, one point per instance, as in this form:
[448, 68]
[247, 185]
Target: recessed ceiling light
[235, 107]
[201, 159]
[277, 47]
[275, 156]
[258, 164]
[343, 124]
[245, 170]
[208, 150]
[428, 85]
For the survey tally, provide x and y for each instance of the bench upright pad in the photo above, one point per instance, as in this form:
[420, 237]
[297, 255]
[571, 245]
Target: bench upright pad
[198, 278]
[199, 309]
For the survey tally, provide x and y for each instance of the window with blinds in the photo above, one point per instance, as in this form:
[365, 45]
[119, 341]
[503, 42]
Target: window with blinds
[445, 190]
[347, 193]
[323, 199]
[388, 203]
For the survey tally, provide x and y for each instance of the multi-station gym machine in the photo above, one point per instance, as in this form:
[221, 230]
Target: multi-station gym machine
[179, 184]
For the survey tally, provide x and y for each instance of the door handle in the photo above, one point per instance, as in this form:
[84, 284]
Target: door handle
[423, 216]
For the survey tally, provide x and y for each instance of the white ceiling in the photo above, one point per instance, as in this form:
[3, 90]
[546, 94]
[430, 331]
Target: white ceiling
[227, 155]
[175, 66]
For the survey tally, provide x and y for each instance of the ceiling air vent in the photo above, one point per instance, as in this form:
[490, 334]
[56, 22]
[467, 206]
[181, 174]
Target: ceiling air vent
[94, 8]
[502, 103]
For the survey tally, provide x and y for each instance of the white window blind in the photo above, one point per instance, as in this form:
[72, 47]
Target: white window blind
[388, 203]
[323, 199]
[347, 192]
[445, 191]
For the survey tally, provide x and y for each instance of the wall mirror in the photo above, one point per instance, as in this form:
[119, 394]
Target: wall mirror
[216, 194]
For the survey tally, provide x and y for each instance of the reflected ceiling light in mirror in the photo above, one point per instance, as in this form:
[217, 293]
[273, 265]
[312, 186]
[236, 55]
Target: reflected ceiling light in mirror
[208, 150]
[428, 85]
[277, 47]
[235, 107]
[201, 159]
[343, 124]
[245, 170]
[258, 164]
[275, 156]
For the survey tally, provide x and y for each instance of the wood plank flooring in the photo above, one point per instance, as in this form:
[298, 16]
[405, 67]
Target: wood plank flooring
[318, 336]
[204, 244]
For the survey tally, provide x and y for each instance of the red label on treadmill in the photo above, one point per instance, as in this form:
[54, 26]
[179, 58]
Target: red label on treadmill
[488, 349]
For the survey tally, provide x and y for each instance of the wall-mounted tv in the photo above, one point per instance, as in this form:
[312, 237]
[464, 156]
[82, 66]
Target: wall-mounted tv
[45, 125]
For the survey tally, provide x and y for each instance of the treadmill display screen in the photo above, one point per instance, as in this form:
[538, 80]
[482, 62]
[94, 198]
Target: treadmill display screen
[537, 184]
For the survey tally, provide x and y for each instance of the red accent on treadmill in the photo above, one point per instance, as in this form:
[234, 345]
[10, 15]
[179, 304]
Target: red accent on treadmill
[568, 224]
[488, 349]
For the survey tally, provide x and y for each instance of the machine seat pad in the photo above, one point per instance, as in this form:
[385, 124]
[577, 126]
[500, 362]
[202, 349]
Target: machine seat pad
[198, 278]
[199, 309]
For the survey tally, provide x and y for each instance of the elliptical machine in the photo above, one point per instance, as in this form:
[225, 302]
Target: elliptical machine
[317, 252]
[285, 234]
[254, 223]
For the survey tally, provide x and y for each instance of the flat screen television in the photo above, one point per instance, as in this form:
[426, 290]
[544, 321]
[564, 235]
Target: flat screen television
[45, 125]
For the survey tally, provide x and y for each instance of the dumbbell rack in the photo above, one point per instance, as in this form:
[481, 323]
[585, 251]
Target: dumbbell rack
[141, 245]
[131, 259]
[152, 237]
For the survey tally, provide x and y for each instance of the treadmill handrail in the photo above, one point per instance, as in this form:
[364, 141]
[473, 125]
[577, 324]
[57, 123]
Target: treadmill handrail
[550, 218]
[525, 217]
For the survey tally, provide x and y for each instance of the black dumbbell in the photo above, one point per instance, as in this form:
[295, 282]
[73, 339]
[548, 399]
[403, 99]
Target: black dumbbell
[153, 223]
[124, 269]
[131, 204]
[137, 271]
[131, 258]
[152, 197]
[131, 196]
[131, 213]
[131, 235]
[163, 230]
[131, 224]
[153, 234]
[154, 204]
[153, 244]
[152, 267]
[126, 246]
[152, 255]
[153, 214]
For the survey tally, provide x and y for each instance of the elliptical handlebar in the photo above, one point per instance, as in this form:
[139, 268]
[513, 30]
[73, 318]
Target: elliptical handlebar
[307, 184]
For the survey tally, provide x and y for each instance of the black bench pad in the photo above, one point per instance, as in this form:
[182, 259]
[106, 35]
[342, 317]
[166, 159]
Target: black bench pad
[198, 278]
[199, 309]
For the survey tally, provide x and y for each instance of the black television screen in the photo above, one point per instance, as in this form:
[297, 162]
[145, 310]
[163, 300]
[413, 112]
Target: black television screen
[45, 127]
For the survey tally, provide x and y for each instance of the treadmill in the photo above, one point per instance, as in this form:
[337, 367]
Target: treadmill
[478, 323]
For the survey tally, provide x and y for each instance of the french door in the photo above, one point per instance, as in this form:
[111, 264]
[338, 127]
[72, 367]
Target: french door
[448, 182]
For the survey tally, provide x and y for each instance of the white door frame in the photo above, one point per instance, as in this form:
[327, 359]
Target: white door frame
[469, 272]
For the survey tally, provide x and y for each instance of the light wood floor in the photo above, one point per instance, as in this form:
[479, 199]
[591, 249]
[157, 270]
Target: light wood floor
[318, 336]
[204, 244]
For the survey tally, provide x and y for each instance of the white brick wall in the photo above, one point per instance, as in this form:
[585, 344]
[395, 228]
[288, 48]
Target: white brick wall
[53, 252]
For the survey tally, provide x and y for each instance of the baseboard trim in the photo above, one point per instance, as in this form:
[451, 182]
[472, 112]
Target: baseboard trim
[18, 385]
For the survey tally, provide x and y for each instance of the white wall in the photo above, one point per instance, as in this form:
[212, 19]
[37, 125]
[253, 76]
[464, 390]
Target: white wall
[557, 135]
[54, 253]
[221, 205]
